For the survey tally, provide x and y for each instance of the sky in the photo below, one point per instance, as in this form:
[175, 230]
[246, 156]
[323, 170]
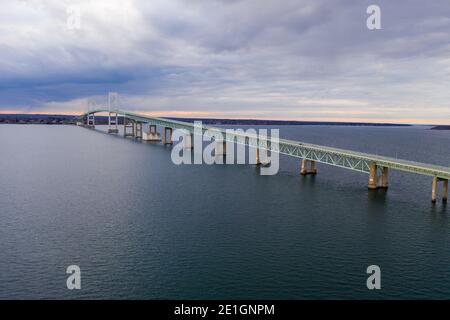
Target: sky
[257, 59]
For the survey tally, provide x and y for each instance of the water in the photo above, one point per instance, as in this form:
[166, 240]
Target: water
[140, 227]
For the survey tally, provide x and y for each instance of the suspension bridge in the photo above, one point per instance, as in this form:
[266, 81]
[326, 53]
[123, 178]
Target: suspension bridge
[376, 166]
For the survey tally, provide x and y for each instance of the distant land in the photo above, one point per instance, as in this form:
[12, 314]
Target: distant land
[285, 122]
[71, 119]
[441, 128]
[37, 119]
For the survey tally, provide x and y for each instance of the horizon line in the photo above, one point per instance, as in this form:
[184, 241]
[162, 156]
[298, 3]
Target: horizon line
[333, 120]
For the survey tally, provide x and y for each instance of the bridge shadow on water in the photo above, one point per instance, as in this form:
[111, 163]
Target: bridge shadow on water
[377, 197]
[439, 208]
[377, 206]
[308, 181]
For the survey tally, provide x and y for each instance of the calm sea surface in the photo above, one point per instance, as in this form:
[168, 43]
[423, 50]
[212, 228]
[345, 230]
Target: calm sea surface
[141, 227]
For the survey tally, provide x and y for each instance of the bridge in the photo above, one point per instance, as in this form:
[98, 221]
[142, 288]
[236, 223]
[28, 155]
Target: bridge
[377, 167]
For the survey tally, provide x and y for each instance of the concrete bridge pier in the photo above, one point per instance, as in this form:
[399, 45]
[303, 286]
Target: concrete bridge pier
[304, 167]
[378, 181]
[152, 135]
[258, 157]
[138, 130]
[434, 189]
[127, 126]
[373, 177]
[113, 122]
[445, 191]
[384, 181]
[168, 130]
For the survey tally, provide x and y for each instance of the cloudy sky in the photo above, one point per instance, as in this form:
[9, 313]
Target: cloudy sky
[272, 59]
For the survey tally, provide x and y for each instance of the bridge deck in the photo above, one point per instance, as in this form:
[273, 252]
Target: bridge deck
[353, 160]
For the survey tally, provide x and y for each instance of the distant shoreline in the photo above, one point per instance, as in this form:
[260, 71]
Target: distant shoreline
[441, 127]
[286, 122]
[70, 119]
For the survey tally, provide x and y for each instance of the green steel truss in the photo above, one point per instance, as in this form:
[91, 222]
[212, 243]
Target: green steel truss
[353, 160]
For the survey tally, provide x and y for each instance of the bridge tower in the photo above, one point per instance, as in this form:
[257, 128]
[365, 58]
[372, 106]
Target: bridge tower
[113, 121]
[90, 120]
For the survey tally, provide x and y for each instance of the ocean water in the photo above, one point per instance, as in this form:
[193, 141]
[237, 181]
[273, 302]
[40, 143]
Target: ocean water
[141, 227]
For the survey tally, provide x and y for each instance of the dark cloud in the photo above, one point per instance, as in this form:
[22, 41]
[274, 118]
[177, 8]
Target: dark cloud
[294, 58]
